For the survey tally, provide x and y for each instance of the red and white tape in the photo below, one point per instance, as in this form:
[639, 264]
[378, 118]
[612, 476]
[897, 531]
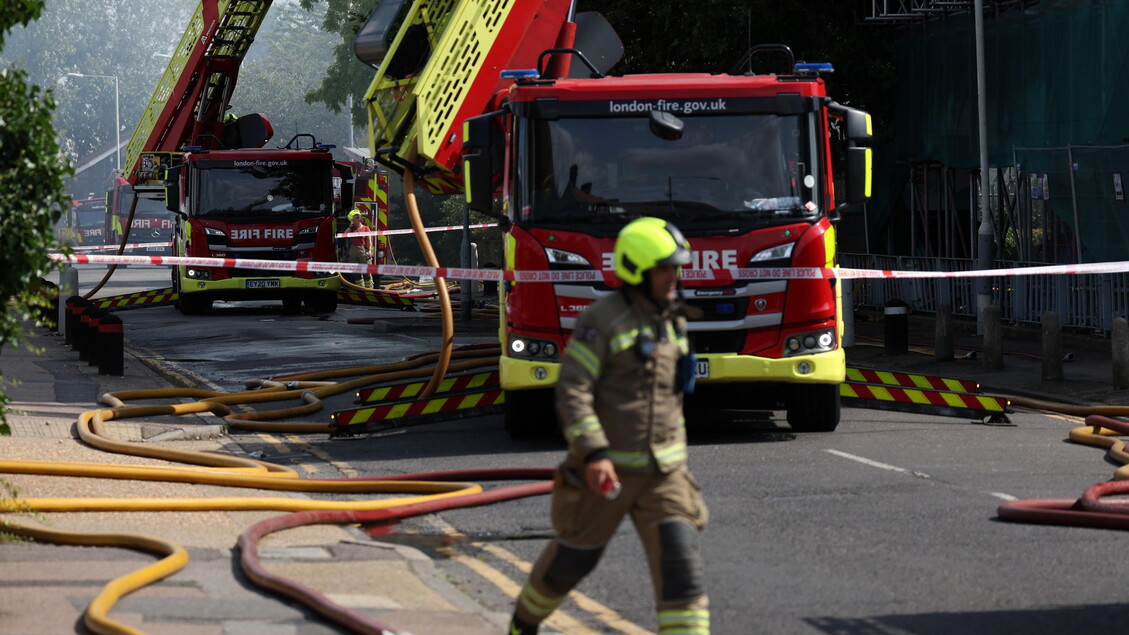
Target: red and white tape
[785, 273]
[109, 247]
[394, 232]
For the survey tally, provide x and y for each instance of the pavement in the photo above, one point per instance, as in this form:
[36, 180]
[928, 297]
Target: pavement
[45, 588]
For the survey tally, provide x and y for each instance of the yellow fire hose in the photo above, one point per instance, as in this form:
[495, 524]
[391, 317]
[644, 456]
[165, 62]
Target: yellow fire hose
[205, 468]
[121, 250]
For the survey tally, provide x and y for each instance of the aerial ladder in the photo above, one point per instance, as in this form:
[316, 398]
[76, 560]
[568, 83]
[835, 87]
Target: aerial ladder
[191, 99]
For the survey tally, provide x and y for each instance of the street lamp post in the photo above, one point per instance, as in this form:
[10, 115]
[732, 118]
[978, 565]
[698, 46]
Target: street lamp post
[117, 114]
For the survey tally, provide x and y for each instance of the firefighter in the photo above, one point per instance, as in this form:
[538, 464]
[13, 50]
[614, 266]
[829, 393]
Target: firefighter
[619, 400]
[360, 248]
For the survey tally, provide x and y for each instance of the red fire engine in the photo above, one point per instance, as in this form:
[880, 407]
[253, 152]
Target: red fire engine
[741, 163]
[232, 197]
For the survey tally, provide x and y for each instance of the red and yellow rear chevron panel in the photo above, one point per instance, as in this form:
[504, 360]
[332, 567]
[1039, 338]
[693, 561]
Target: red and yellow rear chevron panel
[963, 400]
[139, 299]
[407, 409]
[412, 389]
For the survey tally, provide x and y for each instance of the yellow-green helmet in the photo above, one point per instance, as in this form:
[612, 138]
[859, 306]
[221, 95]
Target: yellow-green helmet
[646, 243]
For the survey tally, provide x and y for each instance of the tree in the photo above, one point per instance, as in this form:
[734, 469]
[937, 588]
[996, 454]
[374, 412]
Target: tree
[31, 198]
[115, 38]
[287, 62]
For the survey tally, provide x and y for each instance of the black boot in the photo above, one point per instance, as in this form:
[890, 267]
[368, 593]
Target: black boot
[518, 627]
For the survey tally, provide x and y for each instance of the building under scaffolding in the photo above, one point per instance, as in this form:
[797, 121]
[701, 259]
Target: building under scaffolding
[1057, 93]
[1057, 79]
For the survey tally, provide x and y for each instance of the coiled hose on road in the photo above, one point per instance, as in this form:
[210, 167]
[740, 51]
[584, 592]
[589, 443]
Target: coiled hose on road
[421, 493]
[433, 491]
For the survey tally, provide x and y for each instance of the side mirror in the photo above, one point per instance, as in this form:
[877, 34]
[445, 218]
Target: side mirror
[482, 145]
[348, 185]
[860, 163]
[859, 126]
[172, 190]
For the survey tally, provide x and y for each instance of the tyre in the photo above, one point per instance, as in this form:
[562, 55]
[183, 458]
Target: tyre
[194, 303]
[322, 301]
[292, 304]
[530, 414]
[813, 407]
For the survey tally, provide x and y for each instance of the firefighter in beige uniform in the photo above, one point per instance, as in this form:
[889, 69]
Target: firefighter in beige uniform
[619, 400]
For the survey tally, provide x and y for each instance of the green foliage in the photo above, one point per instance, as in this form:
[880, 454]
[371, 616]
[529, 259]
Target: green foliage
[346, 76]
[32, 197]
[289, 60]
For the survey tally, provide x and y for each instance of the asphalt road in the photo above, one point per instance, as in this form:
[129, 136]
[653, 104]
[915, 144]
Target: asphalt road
[884, 526]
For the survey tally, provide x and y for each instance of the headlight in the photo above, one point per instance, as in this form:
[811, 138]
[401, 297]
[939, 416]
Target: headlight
[811, 342]
[530, 348]
[213, 232]
[779, 252]
[566, 259]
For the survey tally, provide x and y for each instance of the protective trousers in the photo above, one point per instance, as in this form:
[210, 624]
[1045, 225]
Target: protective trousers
[667, 511]
[359, 255]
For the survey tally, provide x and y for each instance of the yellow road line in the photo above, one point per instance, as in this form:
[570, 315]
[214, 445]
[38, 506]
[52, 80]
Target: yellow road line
[589, 605]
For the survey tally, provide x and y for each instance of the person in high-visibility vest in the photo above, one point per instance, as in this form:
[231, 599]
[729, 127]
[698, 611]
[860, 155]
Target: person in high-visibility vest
[360, 248]
[619, 400]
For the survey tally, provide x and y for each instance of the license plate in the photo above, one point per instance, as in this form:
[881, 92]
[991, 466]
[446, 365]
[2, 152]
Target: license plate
[702, 369]
[272, 283]
[154, 248]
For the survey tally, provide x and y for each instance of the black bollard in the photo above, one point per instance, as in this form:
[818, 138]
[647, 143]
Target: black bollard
[896, 327]
[111, 345]
[88, 335]
[76, 306]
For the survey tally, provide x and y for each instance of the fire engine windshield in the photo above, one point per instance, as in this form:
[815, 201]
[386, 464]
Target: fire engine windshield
[271, 193]
[90, 213]
[732, 169]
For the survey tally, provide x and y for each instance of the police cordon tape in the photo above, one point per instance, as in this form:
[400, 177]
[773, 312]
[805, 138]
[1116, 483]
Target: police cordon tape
[109, 247]
[390, 232]
[394, 232]
[590, 275]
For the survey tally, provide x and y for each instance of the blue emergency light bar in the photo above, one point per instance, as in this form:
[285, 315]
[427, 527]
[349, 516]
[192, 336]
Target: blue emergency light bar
[191, 148]
[326, 146]
[521, 73]
[813, 68]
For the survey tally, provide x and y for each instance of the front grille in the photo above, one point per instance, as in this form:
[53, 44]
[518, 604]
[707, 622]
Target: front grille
[721, 309]
[717, 341]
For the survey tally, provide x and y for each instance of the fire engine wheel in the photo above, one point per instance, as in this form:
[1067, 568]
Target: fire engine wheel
[322, 301]
[529, 414]
[292, 303]
[813, 407]
[194, 303]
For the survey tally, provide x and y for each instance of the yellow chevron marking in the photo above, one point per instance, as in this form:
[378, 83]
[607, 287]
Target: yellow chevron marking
[478, 380]
[361, 416]
[953, 400]
[990, 404]
[916, 396]
[886, 378]
[470, 401]
[398, 410]
[953, 384]
[921, 382]
[847, 390]
[434, 406]
[882, 393]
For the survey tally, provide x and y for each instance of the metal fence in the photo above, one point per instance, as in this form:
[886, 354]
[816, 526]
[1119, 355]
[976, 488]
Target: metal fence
[1083, 302]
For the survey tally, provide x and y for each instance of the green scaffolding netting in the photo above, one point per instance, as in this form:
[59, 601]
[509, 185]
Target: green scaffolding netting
[1057, 76]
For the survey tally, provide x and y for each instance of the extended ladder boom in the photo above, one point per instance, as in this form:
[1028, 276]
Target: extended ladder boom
[442, 67]
[188, 105]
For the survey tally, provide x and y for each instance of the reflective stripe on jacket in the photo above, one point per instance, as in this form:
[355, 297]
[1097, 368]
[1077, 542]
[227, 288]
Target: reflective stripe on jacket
[611, 396]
